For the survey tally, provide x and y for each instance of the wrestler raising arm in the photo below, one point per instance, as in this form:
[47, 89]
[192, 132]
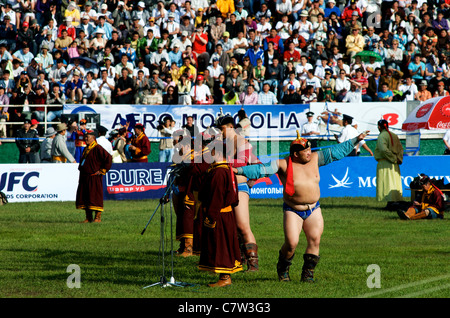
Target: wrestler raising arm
[299, 174]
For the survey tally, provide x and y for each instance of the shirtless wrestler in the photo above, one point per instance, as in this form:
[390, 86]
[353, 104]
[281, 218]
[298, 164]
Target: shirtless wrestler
[299, 174]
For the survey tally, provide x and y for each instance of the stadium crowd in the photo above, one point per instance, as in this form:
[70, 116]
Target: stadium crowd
[219, 51]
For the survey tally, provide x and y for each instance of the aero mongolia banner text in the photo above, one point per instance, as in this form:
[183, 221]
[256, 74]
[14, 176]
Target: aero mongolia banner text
[266, 120]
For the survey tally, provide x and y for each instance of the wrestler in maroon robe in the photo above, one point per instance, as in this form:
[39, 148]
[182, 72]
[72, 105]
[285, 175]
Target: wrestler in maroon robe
[193, 219]
[95, 159]
[143, 148]
[220, 247]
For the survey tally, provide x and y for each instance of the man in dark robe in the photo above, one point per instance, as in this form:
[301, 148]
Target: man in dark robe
[192, 220]
[140, 145]
[220, 251]
[94, 163]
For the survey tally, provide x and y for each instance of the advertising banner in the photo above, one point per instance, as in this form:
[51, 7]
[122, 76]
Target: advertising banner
[365, 115]
[356, 176]
[267, 121]
[349, 177]
[39, 182]
[136, 181]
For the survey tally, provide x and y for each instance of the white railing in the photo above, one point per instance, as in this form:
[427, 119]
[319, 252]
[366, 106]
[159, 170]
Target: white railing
[47, 108]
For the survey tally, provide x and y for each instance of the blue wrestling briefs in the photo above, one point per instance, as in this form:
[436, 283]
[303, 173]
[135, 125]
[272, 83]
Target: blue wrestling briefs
[243, 187]
[303, 214]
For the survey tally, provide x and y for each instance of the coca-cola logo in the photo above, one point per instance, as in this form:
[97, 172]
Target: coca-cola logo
[443, 125]
[445, 109]
[424, 110]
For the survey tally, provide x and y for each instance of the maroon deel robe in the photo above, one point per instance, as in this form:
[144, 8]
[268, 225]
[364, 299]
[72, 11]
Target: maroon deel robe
[90, 187]
[220, 251]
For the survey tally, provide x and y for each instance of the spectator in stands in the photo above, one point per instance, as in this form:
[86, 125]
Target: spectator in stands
[200, 93]
[27, 141]
[124, 90]
[423, 94]
[441, 91]
[74, 88]
[249, 96]
[385, 94]
[408, 88]
[364, 84]
[267, 97]
[354, 95]
[291, 96]
[354, 42]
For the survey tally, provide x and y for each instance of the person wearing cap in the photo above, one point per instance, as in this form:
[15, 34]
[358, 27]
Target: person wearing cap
[436, 79]
[348, 11]
[155, 58]
[291, 95]
[73, 13]
[45, 59]
[70, 27]
[215, 69]
[348, 132]
[331, 7]
[154, 97]
[200, 93]
[431, 205]
[74, 87]
[389, 155]
[255, 53]
[301, 208]
[441, 91]
[304, 26]
[171, 25]
[90, 13]
[423, 94]
[102, 24]
[128, 51]
[27, 141]
[46, 145]
[354, 42]
[140, 145]
[8, 29]
[94, 164]
[60, 153]
[155, 80]
[121, 15]
[310, 129]
[103, 141]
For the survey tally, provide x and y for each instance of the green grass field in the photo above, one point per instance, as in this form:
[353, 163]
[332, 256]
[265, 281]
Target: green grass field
[39, 241]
